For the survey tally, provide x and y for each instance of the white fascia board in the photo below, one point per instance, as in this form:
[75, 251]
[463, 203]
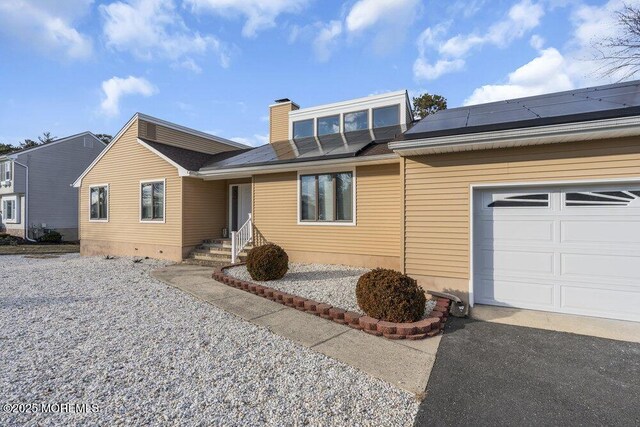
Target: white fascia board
[552, 134]
[292, 167]
[367, 102]
[181, 171]
[190, 131]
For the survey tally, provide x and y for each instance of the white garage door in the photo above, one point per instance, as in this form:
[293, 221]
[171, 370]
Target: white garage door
[569, 250]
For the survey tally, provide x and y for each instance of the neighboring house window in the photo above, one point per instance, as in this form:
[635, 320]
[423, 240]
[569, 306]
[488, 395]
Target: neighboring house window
[303, 128]
[5, 171]
[327, 197]
[99, 199]
[328, 125]
[10, 209]
[152, 201]
[386, 116]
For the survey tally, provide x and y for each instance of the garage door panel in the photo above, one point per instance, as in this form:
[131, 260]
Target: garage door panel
[518, 263]
[517, 293]
[619, 303]
[598, 231]
[605, 267]
[517, 230]
[579, 252]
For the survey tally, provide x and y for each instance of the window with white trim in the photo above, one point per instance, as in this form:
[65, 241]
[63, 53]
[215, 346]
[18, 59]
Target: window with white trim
[152, 201]
[9, 210]
[99, 203]
[326, 197]
[5, 171]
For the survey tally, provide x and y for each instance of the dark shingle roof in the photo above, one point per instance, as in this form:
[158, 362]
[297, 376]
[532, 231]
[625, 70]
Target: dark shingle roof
[600, 102]
[189, 159]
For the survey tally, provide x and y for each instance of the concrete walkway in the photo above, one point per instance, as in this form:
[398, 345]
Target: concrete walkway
[405, 364]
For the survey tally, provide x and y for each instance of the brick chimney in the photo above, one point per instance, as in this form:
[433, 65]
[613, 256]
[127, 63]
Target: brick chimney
[279, 119]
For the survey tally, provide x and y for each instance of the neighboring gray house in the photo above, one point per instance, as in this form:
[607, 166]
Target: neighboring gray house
[35, 186]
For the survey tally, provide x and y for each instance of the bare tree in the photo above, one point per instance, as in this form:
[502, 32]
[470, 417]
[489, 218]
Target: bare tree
[621, 53]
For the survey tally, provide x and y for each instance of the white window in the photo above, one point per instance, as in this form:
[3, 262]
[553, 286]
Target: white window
[10, 210]
[5, 171]
[303, 129]
[386, 116]
[358, 120]
[152, 197]
[327, 198]
[99, 203]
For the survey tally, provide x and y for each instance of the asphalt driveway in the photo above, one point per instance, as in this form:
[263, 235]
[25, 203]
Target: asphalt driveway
[492, 374]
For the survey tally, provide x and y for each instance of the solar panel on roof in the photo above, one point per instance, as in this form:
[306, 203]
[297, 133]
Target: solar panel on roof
[348, 144]
[617, 100]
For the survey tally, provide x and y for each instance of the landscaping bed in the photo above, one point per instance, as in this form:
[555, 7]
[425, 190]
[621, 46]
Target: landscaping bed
[332, 284]
[432, 322]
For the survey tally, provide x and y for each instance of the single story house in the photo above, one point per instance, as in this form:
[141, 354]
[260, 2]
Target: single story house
[531, 203]
[35, 191]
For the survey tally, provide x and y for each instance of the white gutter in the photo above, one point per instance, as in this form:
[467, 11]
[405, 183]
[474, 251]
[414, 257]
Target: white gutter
[292, 167]
[568, 132]
[26, 201]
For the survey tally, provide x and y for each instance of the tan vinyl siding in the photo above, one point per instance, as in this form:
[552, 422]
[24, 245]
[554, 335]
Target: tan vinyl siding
[176, 138]
[279, 121]
[437, 211]
[204, 207]
[123, 167]
[378, 214]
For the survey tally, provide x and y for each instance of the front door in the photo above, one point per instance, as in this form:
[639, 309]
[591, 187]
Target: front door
[239, 205]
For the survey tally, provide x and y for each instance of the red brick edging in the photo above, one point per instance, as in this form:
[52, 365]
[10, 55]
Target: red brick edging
[427, 327]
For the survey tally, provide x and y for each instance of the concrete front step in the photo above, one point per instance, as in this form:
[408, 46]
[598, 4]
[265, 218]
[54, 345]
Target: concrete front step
[222, 243]
[204, 256]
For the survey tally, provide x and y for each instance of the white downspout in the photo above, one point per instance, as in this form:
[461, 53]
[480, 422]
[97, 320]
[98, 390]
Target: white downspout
[26, 202]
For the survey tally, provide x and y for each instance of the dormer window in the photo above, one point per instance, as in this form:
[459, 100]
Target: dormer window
[358, 120]
[329, 125]
[303, 129]
[386, 116]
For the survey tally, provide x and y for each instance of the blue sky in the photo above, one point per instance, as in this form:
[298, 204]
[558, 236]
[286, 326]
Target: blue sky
[215, 65]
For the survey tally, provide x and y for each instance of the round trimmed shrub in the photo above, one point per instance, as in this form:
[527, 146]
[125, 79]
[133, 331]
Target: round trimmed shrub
[390, 295]
[267, 262]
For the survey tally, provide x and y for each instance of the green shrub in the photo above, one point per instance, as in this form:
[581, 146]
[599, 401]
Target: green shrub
[267, 262]
[50, 237]
[390, 295]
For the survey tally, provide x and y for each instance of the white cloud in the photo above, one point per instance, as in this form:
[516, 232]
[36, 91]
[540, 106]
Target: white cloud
[116, 87]
[424, 71]
[153, 28]
[259, 14]
[544, 74]
[254, 141]
[384, 21]
[47, 26]
[553, 70]
[521, 18]
[537, 42]
[325, 41]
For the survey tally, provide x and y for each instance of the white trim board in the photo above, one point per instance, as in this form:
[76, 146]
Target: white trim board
[293, 167]
[552, 134]
[181, 171]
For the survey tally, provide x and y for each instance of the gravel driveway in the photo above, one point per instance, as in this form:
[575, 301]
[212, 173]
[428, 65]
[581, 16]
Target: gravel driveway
[330, 284]
[96, 331]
